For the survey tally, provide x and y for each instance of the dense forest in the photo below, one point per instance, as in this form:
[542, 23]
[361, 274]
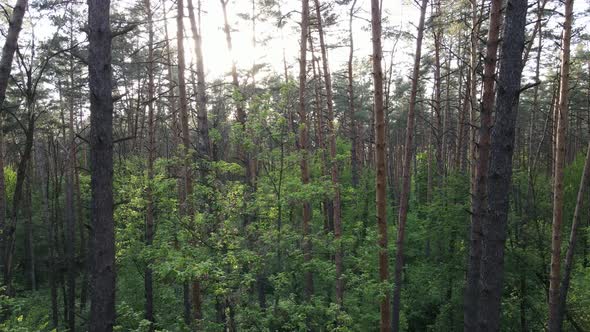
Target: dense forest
[295, 165]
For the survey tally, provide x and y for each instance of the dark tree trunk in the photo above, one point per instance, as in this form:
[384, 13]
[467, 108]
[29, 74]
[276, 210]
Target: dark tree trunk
[151, 150]
[499, 175]
[102, 301]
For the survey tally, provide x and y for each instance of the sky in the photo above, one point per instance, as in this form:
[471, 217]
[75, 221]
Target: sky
[271, 41]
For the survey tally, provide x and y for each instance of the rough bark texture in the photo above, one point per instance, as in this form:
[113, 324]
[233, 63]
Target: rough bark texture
[102, 307]
[560, 156]
[500, 169]
[380, 155]
[303, 146]
[407, 173]
[479, 179]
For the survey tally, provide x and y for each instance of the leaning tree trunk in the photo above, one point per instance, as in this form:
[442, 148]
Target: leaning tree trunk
[10, 46]
[499, 175]
[569, 256]
[102, 301]
[560, 156]
[407, 172]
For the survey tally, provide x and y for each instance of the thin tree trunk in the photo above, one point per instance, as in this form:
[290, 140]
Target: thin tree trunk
[560, 155]
[303, 146]
[186, 205]
[407, 173]
[151, 147]
[354, 150]
[203, 144]
[102, 307]
[333, 162]
[569, 256]
[29, 236]
[380, 155]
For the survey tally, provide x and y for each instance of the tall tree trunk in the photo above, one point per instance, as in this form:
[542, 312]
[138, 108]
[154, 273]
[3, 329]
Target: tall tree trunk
[499, 175]
[29, 236]
[69, 207]
[186, 205]
[333, 162]
[380, 155]
[10, 46]
[102, 307]
[203, 144]
[303, 146]
[43, 173]
[151, 150]
[17, 198]
[407, 172]
[478, 200]
[354, 150]
[560, 155]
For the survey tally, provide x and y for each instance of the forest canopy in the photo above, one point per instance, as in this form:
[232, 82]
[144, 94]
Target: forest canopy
[282, 165]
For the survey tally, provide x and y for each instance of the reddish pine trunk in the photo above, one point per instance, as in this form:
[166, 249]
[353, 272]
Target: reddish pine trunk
[380, 155]
[478, 201]
[303, 146]
[560, 155]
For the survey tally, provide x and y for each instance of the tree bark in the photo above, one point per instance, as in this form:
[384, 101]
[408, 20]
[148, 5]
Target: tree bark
[560, 155]
[303, 146]
[151, 150]
[354, 150]
[380, 167]
[203, 144]
[102, 307]
[499, 175]
[407, 172]
[333, 162]
[10, 46]
[478, 200]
